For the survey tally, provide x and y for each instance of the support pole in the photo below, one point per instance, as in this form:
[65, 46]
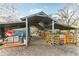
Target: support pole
[75, 37]
[29, 36]
[52, 33]
[26, 41]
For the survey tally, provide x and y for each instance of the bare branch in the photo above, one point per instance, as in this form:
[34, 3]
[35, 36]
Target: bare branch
[67, 15]
[73, 13]
[74, 21]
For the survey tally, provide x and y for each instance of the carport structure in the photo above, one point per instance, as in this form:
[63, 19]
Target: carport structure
[46, 23]
[13, 25]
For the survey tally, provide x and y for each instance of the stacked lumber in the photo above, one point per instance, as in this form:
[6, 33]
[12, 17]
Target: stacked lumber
[60, 39]
[63, 38]
[42, 35]
[48, 37]
[78, 39]
[56, 39]
[70, 38]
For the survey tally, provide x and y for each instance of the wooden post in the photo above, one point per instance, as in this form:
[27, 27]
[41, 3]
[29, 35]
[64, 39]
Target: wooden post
[52, 33]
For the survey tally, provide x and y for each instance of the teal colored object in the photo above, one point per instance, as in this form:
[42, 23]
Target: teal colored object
[21, 37]
[14, 35]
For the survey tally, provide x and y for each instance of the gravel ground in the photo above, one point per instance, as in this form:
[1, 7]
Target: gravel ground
[40, 48]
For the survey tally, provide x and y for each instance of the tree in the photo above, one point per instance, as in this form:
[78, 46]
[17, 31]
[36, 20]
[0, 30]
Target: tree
[8, 10]
[68, 16]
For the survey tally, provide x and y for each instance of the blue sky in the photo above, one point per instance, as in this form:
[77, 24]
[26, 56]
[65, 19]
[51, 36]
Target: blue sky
[25, 9]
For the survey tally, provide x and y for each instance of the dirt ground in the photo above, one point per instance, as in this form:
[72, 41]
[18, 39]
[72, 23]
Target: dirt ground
[40, 48]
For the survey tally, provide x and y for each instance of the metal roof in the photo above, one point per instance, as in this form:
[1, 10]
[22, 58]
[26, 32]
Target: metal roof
[34, 19]
[14, 24]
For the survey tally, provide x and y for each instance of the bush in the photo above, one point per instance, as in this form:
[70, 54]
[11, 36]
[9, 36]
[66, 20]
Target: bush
[1, 43]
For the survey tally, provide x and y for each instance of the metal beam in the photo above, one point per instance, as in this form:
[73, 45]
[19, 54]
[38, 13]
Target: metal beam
[75, 37]
[26, 41]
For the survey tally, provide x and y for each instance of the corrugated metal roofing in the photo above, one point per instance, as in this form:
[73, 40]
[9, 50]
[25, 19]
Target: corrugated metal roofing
[42, 17]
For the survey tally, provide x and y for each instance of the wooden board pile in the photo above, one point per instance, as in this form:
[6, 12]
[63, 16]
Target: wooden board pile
[70, 38]
[78, 39]
[42, 35]
[46, 36]
[63, 39]
[56, 39]
[59, 39]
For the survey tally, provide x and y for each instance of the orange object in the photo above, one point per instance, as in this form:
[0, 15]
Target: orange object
[65, 38]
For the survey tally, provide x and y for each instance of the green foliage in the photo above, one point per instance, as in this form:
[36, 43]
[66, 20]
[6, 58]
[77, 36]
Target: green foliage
[1, 43]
